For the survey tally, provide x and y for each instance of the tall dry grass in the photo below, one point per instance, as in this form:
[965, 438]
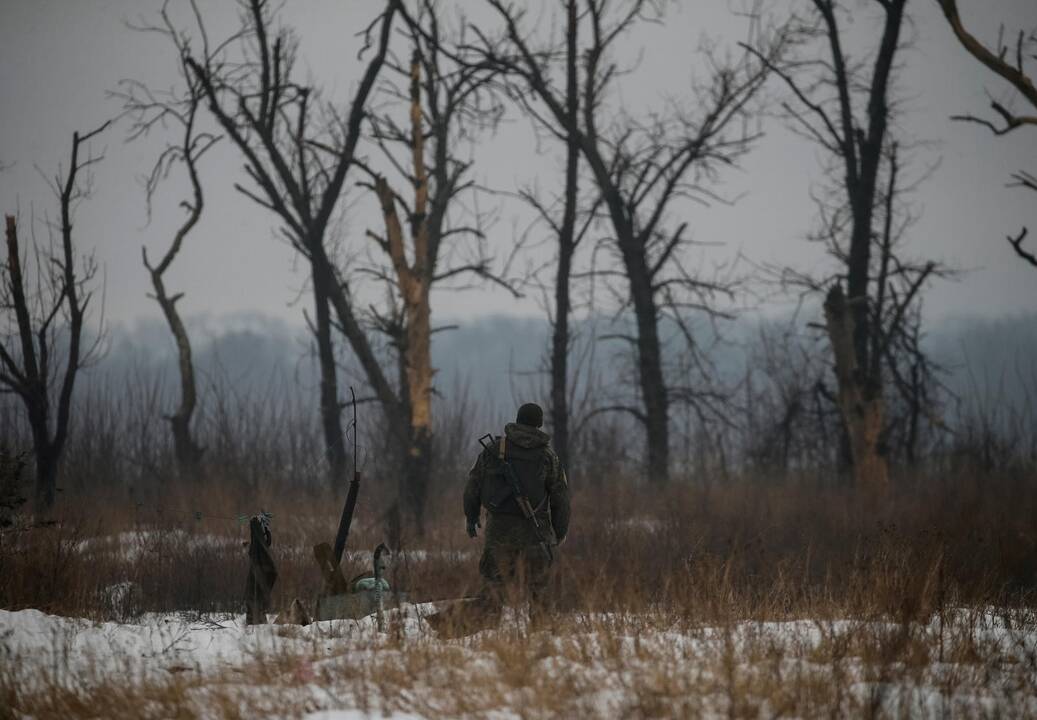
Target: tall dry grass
[748, 548]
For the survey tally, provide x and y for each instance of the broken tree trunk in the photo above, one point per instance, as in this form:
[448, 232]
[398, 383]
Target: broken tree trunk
[860, 401]
[262, 573]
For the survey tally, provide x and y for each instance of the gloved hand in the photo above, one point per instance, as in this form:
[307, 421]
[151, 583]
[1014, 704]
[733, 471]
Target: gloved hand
[472, 527]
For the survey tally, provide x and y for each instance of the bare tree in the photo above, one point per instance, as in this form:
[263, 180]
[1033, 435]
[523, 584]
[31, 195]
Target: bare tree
[643, 167]
[447, 103]
[920, 391]
[875, 288]
[568, 218]
[298, 150]
[1010, 64]
[41, 349]
[179, 108]
[567, 242]
[785, 425]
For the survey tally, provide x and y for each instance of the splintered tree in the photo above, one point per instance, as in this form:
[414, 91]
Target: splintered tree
[1009, 63]
[44, 299]
[874, 289]
[298, 150]
[644, 166]
[438, 240]
[176, 110]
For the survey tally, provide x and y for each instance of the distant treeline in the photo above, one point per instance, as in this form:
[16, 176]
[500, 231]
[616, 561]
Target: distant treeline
[259, 390]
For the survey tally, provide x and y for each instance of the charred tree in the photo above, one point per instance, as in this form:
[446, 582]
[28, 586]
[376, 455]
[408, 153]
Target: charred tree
[42, 350]
[447, 104]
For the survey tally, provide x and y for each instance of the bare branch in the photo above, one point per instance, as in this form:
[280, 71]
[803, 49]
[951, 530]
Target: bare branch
[1017, 245]
[1014, 74]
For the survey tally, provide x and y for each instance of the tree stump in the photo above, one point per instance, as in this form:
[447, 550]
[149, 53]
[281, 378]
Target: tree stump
[262, 573]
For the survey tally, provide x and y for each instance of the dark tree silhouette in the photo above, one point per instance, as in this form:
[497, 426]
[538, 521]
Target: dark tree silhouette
[437, 240]
[43, 311]
[642, 166]
[1010, 64]
[874, 289]
[177, 108]
[298, 151]
[569, 217]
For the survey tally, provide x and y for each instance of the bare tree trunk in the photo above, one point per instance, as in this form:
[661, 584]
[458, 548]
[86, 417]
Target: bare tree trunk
[43, 451]
[59, 295]
[860, 402]
[187, 452]
[417, 315]
[33, 389]
[330, 408]
[560, 358]
[914, 417]
[854, 320]
[650, 370]
[566, 248]
[434, 186]
[300, 178]
[46, 477]
[639, 166]
[147, 111]
[418, 360]
[414, 426]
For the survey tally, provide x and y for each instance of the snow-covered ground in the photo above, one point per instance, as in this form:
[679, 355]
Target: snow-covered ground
[974, 662]
[133, 545]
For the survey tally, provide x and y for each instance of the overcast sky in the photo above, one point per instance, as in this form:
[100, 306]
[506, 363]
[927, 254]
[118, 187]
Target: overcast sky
[59, 57]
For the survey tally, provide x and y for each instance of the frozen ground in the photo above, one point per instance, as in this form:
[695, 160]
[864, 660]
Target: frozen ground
[972, 663]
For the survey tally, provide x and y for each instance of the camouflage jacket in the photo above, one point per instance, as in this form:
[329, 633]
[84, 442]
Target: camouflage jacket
[555, 490]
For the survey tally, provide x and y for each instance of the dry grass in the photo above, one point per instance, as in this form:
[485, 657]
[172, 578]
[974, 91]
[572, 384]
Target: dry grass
[745, 549]
[587, 665]
[667, 605]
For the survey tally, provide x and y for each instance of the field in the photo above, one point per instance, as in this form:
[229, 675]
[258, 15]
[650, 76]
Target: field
[795, 597]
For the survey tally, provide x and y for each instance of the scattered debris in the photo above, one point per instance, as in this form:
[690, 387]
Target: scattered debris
[296, 615]
[364, 595]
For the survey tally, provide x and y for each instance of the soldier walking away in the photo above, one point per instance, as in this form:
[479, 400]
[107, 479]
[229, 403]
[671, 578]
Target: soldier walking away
[520, 482]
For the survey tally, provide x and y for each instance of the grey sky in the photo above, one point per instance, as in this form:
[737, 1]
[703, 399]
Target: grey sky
[58, 57]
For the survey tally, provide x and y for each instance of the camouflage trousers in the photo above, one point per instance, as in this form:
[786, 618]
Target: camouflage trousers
[513, 566]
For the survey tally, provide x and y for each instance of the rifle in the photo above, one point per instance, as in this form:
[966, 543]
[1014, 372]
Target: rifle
[515, 488]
